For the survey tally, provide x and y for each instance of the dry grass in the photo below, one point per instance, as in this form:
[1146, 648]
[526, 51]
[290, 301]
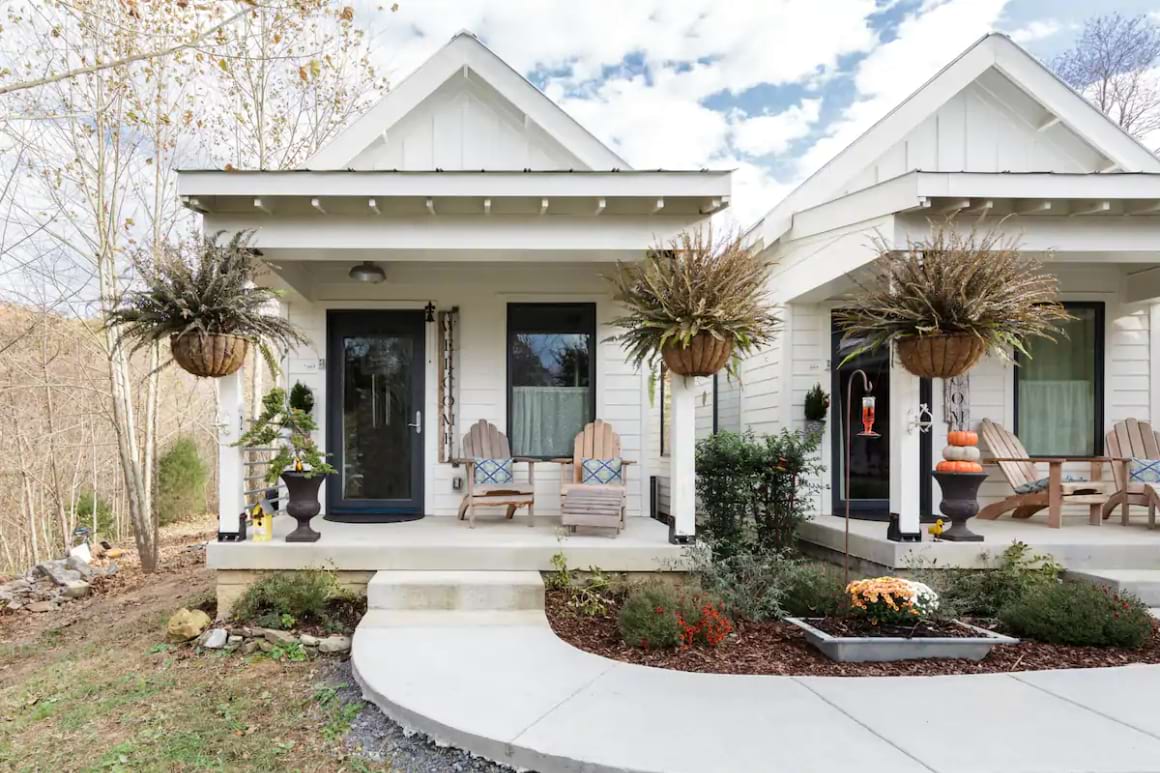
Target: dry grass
[94, 687]
[972, 281]
[693, 285]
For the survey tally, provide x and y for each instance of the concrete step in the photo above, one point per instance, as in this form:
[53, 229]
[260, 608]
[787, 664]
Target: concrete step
[452, 590]
[1143, 583]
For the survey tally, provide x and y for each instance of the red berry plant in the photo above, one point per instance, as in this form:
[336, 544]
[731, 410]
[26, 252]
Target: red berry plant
[656, 616]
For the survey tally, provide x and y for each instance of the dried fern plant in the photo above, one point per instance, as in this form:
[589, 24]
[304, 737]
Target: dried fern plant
[689, 286]
[210, 293]
[972, 281]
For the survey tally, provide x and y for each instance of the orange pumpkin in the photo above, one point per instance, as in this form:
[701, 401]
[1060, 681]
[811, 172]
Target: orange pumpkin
[949, 466]
[963, 438]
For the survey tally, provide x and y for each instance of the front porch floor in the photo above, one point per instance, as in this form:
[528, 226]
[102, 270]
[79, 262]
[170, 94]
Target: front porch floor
[443, 543]
[1077, 545]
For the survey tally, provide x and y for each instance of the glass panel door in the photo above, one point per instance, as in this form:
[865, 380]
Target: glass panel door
[375, 412]
[869, 457]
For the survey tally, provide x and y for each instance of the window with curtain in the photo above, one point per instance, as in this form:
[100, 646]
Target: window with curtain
[551, 349]
[1059, 388]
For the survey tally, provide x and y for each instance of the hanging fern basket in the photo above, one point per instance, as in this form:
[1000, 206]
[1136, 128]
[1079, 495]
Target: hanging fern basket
[940, 356]
[704, 356]
[209, 355]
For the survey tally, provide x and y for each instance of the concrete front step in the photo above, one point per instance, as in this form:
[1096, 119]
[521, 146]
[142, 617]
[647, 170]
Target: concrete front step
[1143, 583]
[450, 590]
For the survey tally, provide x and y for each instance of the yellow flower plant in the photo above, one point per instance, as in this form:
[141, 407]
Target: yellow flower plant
[891, 600]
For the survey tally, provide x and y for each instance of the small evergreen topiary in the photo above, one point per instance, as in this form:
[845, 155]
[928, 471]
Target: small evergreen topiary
[181, 479]
[302, 398]
[817, 403]
[1079, 613]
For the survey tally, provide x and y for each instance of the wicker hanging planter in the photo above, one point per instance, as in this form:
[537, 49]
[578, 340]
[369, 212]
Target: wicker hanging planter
[704, 356]
[940, 356]
[209, 355]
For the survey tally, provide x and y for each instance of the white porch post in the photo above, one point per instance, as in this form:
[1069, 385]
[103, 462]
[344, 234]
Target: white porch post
[904, 450]
[682, 468]
[230, 467]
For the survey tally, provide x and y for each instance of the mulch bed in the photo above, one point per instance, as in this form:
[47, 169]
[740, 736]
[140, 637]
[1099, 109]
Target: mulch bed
[836, 626]
[781, 649]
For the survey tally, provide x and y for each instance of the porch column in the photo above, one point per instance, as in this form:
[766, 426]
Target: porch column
[682, 468]
[904, 450]
[231, 414]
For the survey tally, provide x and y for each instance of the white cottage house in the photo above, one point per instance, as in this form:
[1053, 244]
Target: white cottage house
[489, 216]
[996, 135]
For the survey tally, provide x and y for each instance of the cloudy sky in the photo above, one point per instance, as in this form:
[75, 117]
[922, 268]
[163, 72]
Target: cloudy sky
[772, 88]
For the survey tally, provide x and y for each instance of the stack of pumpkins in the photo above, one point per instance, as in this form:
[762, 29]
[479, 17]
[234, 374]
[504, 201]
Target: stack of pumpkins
[961, 453]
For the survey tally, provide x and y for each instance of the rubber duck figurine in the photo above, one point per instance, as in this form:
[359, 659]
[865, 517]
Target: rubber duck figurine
[936, 528]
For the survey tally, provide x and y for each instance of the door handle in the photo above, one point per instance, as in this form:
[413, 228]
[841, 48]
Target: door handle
[418, 425]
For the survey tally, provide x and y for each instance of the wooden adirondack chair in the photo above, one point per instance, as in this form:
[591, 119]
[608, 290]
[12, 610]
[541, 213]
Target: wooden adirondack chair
[600, 505]
[1129, 440]
[484, 441]
[1020, 471]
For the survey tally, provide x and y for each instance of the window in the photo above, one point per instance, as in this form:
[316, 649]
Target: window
[1059, 389]
[551, 350]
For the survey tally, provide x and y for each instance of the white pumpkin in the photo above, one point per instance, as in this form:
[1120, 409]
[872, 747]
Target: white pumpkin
[961, 453]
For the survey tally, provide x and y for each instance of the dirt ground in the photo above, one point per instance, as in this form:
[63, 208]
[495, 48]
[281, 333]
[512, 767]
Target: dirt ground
[94, 686]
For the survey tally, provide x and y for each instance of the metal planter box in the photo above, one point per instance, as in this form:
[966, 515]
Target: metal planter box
[861, 649]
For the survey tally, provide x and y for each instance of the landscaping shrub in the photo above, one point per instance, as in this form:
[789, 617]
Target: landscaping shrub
[754, 493]
[657, 616]
[757, 586]
[181, 478]
[984, 592]
[284, 599]
[1079, 613]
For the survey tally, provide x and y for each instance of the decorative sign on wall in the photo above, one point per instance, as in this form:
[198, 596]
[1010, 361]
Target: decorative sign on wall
[448, 387]
[957, 402]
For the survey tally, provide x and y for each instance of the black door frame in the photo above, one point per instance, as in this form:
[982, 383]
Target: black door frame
[340, 323]
[873, 509]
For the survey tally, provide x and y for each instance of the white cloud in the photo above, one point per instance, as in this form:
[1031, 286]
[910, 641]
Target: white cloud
[1036, 30]
[761, 135]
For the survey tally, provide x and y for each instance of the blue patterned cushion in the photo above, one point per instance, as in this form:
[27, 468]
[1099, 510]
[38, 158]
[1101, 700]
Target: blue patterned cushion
[601, 471]
[1036, 486]
[493, 472]
[1144, 470]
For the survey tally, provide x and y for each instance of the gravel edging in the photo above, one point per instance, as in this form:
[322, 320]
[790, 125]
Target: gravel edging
[376, 738]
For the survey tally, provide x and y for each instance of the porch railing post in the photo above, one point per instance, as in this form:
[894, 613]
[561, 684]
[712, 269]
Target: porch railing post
[682, 468]
[230, 468]
[905, 451]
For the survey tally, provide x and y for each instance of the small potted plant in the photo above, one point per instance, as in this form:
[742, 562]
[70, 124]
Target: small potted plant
[945, 300]
[697, 303]
[207, 306]
[817, 407]
[298, 462]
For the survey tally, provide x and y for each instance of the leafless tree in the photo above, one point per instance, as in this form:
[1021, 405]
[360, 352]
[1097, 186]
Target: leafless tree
[1114, 63]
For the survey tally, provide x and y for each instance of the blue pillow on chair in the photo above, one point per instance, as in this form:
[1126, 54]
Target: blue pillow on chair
[1144, 470]
[493, 472]
[602, 472]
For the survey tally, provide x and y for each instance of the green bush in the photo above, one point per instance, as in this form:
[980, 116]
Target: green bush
[86, 502]
[1079, 613]
[648, 618]
[181, 478]
[984, 592]
[283, 599]
[754, 493]
[760, 586]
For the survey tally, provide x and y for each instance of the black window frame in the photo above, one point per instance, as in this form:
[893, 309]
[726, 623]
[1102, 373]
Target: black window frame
[588, 314]
[1099, 307]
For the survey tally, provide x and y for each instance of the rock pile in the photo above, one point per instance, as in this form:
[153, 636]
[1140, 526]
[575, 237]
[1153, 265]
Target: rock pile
[251, 639]
[50, 583]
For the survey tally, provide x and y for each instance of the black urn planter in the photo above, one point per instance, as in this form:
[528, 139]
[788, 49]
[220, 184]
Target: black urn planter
[303, 504]
[960, 502]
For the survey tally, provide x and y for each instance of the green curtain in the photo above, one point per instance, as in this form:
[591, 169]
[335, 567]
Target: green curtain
[1057, 391]
[546, 420]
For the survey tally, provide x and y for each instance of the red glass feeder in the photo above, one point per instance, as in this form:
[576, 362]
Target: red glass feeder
[868, 418]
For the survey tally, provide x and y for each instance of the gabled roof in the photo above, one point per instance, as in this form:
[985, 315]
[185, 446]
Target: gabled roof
[1124, 152]
[462, 55]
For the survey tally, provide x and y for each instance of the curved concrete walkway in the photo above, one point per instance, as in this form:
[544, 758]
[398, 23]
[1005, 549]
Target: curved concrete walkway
[504, 686]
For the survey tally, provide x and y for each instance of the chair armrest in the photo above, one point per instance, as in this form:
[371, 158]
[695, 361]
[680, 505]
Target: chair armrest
[526, 459]
[468, 462]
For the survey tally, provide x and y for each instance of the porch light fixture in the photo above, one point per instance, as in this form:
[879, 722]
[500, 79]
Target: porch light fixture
[430, 311]
[367, 272]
